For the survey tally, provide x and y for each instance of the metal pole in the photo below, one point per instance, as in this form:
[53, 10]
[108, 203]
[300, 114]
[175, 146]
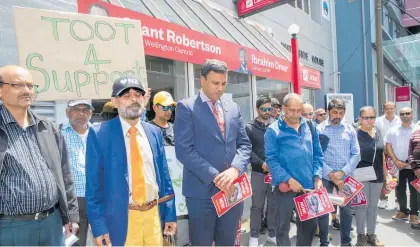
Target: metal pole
[295, 65]
[379, 56]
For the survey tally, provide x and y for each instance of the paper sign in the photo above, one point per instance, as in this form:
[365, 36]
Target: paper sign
[78, 56]
[359, 200]
[350, 189]
[268, 178]
[313, 204]
[416, 184]
[175, 171]
[243, 190]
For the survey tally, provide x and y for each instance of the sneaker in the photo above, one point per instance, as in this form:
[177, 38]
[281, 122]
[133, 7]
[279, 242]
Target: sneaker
[361, 240]
[272, 240]
[253, 242]
[414, 220]
[335, 224]
[383, 204]
[400, 216]
[372, 239]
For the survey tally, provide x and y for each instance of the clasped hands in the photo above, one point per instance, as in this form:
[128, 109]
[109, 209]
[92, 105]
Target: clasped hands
[224, 180]
[337, 178]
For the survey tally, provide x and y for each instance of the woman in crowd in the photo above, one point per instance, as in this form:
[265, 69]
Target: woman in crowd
[373, 167]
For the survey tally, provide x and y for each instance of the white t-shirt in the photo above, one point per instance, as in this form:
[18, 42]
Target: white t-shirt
[399, 138]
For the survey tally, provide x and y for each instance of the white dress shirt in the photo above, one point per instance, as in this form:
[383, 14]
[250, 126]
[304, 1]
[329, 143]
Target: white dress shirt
[152, 189]
[383, 124]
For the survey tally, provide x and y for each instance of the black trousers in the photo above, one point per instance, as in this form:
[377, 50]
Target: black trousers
[83, 224]
[406, 177]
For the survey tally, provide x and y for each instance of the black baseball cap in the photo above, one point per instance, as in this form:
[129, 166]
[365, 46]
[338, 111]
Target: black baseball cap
[124, 83]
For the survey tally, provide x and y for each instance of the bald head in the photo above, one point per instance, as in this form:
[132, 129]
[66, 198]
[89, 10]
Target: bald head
[16, 87]
[11, 73]
[308, 111]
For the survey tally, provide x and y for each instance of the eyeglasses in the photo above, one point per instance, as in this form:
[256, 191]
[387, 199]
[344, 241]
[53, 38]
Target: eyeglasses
[402, 114]
[307, 114]
[81, 110]
[266, 109]
[322, 114]
[21, 86]
[169, 107]
[368, 118]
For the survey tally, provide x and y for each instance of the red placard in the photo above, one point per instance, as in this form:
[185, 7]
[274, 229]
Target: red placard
[402, 94]
[268, 178]
[251, 7]
[359, 200]
[313, 204]
[243, 190]
[168, 40]
[350, 189]
[416, 184]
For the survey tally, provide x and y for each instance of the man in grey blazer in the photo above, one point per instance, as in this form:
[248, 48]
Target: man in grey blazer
[211, 143]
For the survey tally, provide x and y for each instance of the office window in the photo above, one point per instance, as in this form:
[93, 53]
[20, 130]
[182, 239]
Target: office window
[300, 4]
[306, 6]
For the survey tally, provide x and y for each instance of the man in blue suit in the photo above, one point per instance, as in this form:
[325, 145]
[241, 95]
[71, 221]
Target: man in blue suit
[129, 194]
[211, 143]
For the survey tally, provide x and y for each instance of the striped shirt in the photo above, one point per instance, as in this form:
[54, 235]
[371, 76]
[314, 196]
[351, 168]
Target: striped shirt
[343, 151]
[76, 147]
[414, 150]
[27, 185]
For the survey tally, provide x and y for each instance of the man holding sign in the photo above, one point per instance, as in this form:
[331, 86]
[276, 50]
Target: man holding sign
[294, 157]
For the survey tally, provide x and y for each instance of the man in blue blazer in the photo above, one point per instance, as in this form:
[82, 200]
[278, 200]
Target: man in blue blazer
[211, 143]
[121, 211]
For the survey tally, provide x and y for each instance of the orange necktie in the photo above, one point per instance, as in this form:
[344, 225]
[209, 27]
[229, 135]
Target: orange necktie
[138, 186]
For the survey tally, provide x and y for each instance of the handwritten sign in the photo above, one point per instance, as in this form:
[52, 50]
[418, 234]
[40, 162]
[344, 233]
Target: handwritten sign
[77, 56]
[175, 170]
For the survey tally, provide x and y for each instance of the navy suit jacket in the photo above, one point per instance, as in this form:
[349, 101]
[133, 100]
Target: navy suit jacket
[107, 182]
[201, 147]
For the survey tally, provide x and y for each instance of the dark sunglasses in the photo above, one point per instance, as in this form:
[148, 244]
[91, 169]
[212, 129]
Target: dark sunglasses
[169, 107]
[266, 109]
[368, 118]
[402, 114]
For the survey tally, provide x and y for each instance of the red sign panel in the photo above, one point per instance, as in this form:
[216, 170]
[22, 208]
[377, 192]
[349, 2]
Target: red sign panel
[403, 94]
[250, 7]
[313, 204]
[168, 40]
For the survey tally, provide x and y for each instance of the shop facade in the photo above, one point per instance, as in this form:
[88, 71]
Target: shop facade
[179, 35]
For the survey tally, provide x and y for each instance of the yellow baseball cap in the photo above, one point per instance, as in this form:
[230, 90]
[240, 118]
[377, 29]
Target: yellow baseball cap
[163, 98]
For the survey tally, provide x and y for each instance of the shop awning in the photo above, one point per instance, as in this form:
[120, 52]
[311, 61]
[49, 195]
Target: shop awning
[200, 16]
[404, 53]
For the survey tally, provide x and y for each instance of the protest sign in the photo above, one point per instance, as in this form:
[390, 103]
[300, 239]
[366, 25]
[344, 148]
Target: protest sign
[242, 191]
[77, 56]
[175, 170]
[359, 200]
[416, 184]
[313, 204]
[350, 189]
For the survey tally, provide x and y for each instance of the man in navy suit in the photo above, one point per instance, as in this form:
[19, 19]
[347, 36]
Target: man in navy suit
[211, 143]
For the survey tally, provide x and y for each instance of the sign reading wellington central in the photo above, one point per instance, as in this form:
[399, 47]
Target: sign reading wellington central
[171, 41]
[251, 7]
[75, 56]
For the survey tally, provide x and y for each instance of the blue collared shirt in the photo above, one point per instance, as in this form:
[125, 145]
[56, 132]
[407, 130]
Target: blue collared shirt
[343, 151]
[76, 146]
[293, 154]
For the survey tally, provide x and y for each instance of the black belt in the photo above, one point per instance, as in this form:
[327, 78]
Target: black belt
[36, 216]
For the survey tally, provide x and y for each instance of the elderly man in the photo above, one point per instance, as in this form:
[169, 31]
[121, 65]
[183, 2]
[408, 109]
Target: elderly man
[308, 111]
[211, 143]
[75, 133]
[294, 156]
[320, 115]
[276, 112]
[36, 183]
[129, 194]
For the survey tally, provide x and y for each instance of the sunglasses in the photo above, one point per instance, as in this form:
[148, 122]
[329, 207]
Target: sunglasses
[266, 109]
[402, 114]
[368, 118]
[169, 107]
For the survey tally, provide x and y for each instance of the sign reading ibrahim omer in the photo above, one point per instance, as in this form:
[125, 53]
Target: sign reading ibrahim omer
[251, 7]
[74, 56]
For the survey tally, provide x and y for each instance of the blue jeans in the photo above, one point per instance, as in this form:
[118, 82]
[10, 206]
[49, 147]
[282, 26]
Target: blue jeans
[345, 220]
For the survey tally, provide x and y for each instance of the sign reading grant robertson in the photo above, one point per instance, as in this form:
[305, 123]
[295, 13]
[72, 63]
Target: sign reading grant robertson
[75, 56]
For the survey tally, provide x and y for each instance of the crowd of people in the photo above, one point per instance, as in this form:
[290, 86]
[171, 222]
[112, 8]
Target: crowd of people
[113, 178]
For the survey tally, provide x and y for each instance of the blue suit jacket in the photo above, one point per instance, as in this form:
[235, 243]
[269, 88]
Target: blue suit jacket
[201, 148]
[107, 188]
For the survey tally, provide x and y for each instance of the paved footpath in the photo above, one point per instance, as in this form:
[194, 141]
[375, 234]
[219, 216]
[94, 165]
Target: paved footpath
[390, 232]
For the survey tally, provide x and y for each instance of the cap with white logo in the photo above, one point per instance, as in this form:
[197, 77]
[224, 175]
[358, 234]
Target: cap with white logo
[123, 83]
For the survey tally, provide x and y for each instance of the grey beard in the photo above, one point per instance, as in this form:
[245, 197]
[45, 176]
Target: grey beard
[130, 115]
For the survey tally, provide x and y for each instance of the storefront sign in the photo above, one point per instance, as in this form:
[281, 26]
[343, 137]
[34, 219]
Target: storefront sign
[74, 56]
[251, 7]
[175, 170]
[171, 41]
[403, 97]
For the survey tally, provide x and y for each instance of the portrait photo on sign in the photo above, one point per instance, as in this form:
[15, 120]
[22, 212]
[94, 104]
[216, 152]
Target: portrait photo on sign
[237, 195]
[348, 190]
[314, 204]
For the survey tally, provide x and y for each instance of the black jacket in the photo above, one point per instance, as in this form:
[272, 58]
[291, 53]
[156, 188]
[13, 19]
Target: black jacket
[53, 149]
[256, 131]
